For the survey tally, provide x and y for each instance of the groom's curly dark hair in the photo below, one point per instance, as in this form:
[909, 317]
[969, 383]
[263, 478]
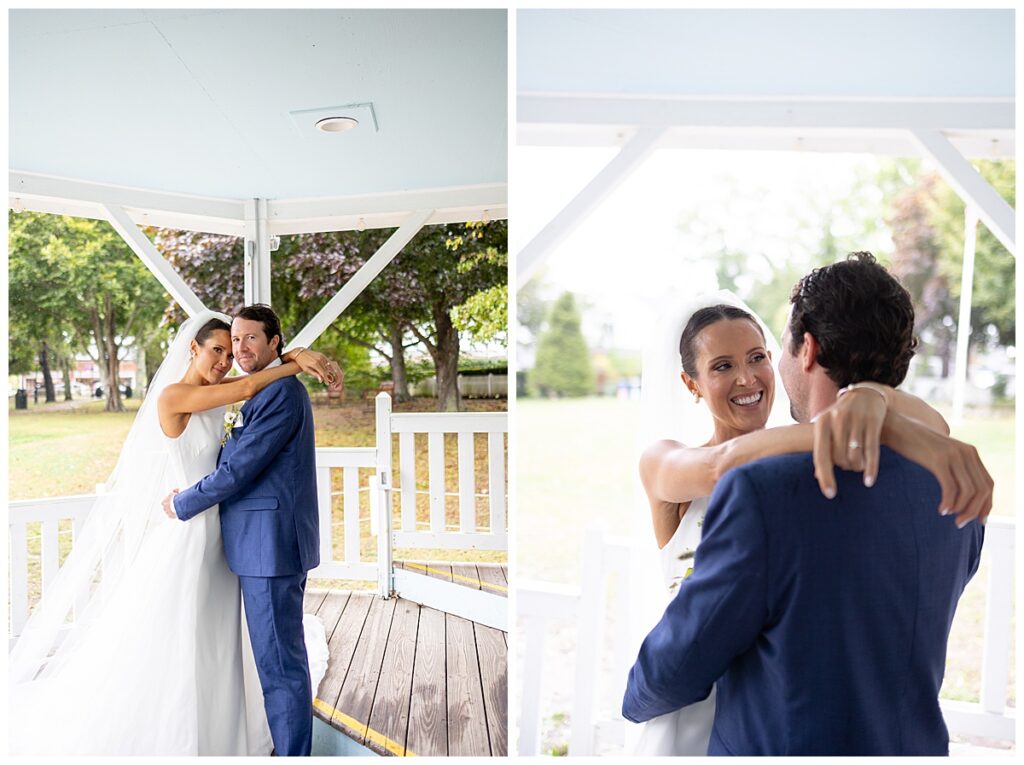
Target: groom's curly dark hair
[861, 317]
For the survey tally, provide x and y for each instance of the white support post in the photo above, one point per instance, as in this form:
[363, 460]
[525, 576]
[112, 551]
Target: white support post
[590, 629]
[154, 261]
[354, 286]
[257, 253]
[995, 662]
[963, 330]
[967, 182]
[632, 154]
[385, 581]
[325, 510]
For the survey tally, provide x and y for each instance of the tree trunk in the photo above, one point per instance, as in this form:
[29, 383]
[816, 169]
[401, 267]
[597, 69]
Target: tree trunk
[446, 363]
[65, 368]
[397, 361]
[44, 365]
[141, 373]
[109, 350]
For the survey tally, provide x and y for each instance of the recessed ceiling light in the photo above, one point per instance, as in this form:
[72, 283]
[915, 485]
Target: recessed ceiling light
[336, 124]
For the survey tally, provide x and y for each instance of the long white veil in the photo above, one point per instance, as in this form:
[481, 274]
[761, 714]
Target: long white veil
[667, 410]
[109, 542]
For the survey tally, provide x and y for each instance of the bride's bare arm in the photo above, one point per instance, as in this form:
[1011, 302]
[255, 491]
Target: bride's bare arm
[183, 398]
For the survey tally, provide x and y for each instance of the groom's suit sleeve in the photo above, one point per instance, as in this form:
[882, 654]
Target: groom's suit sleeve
[717, 614]
[269, 426]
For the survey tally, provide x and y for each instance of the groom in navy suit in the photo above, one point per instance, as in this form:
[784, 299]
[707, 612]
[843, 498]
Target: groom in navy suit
[265, 483]
[824, 622]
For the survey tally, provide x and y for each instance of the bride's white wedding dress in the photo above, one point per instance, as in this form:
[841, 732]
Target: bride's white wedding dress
[688, 730]
[159, 660]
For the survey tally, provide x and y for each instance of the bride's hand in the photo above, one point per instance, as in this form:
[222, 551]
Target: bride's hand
[317, 364]
[848, 435]
[966, 485]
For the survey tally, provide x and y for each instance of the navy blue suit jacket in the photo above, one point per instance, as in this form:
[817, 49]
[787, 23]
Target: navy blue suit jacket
[265, 483]
[824, 622]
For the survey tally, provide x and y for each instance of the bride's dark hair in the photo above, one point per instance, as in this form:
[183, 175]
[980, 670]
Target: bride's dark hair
[209, 328]
[700, 319]
[861, 317]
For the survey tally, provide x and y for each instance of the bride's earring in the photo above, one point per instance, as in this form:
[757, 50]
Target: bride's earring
[696, 398]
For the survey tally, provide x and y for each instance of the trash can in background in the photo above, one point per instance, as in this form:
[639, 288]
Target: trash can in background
[21, 399]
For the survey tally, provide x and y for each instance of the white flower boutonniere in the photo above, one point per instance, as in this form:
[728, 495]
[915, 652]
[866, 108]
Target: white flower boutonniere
[232, 420]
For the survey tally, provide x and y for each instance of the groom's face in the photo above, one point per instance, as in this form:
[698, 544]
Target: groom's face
[250, 345]
[793, 378]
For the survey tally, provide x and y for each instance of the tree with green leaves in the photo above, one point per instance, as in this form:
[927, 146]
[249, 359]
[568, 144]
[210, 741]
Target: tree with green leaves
[78, 279]
[562, 366]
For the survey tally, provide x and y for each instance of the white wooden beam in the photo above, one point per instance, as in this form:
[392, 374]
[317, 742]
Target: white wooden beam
[359, 281]
[766, 112]
[257, 253]
[963, 330]
[968, 183]
[347, 213]
[975, 144]
[66, 196]
[632, 154]
[154, 261]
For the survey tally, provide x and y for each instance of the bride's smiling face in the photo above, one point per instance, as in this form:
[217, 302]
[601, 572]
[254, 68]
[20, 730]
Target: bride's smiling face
[734, 376]
[213, 358]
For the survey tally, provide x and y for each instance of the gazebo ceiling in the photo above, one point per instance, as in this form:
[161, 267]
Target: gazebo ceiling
[204, 102]
[828, 80]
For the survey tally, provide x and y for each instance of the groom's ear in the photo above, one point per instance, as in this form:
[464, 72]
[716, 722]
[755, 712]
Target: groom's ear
[809, 352]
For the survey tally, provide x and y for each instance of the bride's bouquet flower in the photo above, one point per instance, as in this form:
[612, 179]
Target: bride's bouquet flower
[232, 420]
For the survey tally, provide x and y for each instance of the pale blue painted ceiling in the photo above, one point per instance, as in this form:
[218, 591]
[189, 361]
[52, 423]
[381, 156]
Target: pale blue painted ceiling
[768, 53]
[198, 101]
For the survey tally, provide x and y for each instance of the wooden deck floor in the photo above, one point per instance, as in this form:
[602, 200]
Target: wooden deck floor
[487, 577]
[405, 679]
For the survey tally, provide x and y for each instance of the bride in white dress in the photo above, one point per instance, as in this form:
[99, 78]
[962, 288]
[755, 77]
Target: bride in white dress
[708, 380]
[156, 659]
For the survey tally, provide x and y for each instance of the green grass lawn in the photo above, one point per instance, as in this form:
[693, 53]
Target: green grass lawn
[59, 452]
[577, 467]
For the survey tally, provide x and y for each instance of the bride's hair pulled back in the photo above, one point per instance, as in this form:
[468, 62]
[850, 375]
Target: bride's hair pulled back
[705, 317]
[209, 328]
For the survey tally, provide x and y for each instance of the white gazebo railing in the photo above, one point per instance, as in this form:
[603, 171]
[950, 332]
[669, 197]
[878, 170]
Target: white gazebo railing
[348, 562]
[594, 717]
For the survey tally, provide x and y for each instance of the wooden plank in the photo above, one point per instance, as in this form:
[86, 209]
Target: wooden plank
[407, 479]
[390, 715]
[331, 611]
[465, 574]
[357, 693]
[493, 575]
[493, 653]
[342, 644]
[428, 734]
[467, 484]
[351, 514]
[435, 464]
[496, 481]
[467, 726]
[312, 599]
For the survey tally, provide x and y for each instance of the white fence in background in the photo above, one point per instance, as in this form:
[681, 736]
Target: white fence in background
[594, 717]
[489, 385]
[353, 464]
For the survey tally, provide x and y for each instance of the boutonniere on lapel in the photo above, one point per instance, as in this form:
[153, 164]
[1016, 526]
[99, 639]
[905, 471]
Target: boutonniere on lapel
[232, 420]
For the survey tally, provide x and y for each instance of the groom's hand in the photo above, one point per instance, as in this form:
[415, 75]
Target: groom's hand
[168, 505]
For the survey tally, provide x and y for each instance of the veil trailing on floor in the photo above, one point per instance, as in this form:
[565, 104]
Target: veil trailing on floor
[108, 545]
